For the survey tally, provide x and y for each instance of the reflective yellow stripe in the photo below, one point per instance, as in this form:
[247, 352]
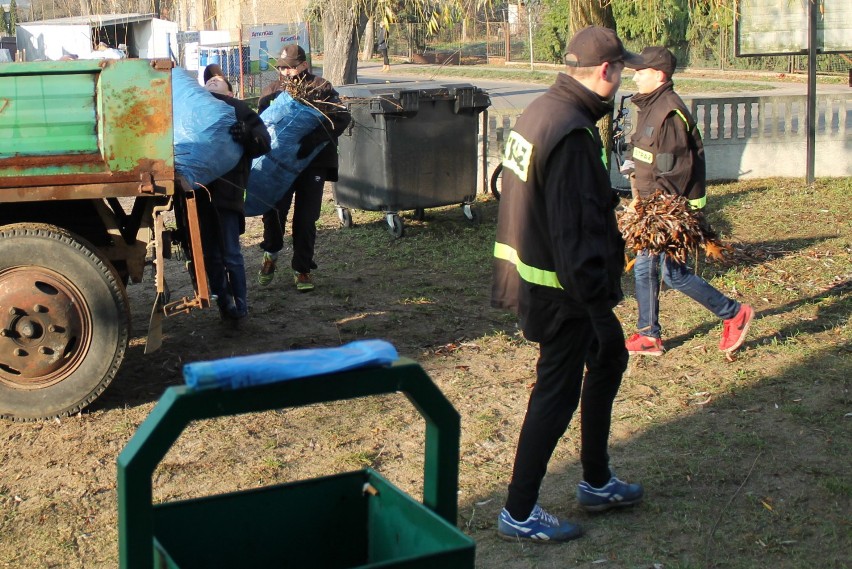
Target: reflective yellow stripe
[527, 272]
[683, 118]
[698, 203]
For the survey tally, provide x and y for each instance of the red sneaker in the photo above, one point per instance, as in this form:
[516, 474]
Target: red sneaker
[736, 328]
[645, 345]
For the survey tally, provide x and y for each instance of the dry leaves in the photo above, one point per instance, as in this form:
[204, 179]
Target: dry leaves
[665, 224]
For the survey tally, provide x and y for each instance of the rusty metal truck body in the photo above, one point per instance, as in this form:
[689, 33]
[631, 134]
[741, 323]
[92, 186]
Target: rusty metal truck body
[87, 177]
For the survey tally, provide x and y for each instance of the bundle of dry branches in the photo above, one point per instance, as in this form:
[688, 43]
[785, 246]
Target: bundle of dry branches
[302, 90]
[665, 224]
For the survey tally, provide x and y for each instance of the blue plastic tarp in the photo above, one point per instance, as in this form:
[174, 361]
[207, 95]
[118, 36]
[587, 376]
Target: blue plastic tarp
[272, 174]
[204, 149]
[246, 371]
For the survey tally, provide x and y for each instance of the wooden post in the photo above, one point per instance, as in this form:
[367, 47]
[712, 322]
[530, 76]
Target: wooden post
[507, 37]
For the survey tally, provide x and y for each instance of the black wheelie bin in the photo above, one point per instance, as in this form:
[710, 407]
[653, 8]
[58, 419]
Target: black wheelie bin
[410, 146]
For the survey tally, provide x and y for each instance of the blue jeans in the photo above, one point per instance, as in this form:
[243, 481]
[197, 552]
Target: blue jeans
[226, 271]
[679, 277]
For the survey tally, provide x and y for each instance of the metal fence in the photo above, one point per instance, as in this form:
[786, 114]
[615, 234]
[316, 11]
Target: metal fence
[495, 40]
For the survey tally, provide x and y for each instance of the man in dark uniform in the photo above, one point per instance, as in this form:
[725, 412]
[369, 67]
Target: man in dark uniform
[559, 260]
[668, 156]
[308, 187]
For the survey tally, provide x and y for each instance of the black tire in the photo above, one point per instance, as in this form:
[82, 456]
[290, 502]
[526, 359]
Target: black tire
[395, 225]
[469, 213]
[497, 181]
[65, 322]
[345, 216]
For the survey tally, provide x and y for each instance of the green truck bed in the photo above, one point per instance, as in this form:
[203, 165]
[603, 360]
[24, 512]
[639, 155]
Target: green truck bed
[103, 124]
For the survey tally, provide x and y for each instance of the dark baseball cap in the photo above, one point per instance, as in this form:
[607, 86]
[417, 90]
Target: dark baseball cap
[656, 57]
[291, 56]
[595, 45]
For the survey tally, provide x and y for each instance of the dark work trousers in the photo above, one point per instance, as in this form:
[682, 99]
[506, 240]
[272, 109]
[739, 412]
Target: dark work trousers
[307, 191]
[560, 387]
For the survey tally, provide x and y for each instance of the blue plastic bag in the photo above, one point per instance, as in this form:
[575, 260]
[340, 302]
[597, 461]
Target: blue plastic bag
[245, 371]
[272, 174]
[204, 149]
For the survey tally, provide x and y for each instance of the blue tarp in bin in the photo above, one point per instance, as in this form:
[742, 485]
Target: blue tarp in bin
[204, 149]
[272, 174]
[245, 371]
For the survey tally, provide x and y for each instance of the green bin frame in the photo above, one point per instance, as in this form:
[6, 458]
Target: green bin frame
[356, 519]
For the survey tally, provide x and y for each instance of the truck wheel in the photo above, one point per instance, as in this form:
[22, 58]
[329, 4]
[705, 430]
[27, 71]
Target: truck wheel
[64, 322]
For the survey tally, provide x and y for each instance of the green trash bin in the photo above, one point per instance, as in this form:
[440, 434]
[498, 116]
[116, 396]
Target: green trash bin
[356, 519]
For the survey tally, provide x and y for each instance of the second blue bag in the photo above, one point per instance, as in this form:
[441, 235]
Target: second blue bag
[272, 174]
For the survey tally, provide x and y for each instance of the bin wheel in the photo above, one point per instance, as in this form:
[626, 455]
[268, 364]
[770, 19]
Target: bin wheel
[419, 214]
[395, 225]
[469, 212]
[497, 181]
[345, 216]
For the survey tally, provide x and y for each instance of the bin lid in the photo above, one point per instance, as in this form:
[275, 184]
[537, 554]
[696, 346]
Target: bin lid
[404, 94]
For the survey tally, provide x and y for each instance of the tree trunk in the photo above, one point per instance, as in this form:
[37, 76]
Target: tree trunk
[591, 13]
[340, 24]
[369, 40]
[595, 13]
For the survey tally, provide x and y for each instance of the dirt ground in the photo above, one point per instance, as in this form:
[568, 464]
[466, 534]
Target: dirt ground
[58, 486]
[744, 461]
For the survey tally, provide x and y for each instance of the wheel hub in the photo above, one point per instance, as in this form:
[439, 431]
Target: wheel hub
[45, 327]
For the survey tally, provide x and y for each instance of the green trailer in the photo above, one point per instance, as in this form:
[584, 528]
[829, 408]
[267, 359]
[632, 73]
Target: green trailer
[88, 197]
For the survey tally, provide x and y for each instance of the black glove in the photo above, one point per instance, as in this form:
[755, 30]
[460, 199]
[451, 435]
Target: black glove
[239, 132]
[704, 225]
[310, 141]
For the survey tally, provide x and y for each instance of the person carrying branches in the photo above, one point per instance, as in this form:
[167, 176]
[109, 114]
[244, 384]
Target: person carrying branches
[306, 190]
[668, 157]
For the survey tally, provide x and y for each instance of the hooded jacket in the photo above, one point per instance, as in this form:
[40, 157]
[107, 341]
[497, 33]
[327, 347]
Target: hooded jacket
[667, 147]
[558, 253]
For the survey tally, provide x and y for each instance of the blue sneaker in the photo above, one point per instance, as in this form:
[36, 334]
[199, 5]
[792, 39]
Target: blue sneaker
[615, 494]
[540, 526]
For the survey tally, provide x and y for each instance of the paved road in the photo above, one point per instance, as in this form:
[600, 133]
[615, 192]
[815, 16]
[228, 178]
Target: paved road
[516, 95]
[505, 95]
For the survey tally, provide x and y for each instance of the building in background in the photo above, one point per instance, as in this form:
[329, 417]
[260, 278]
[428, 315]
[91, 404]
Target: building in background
[138, 35]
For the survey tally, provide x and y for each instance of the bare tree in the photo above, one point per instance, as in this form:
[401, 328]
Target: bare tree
[344, 21]
[591, 13]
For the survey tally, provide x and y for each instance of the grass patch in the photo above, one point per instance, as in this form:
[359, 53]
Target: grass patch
[745, 462]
